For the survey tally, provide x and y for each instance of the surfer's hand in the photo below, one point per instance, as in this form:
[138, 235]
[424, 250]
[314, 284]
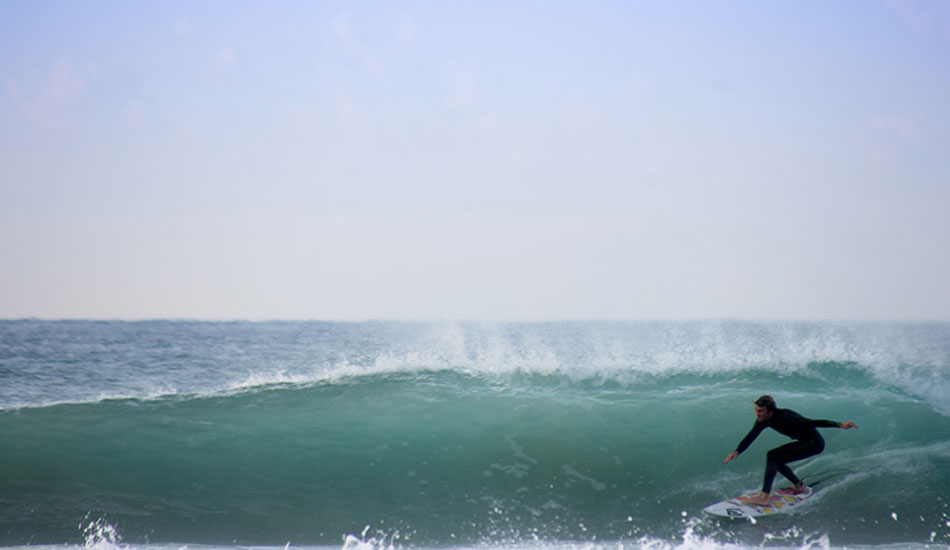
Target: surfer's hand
[732, 456]
[847, 425]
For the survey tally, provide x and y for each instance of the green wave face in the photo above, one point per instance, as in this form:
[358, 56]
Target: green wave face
[462, 434]
[444, 456]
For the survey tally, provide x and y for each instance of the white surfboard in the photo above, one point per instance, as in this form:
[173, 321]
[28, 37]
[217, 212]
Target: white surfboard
[782, 500]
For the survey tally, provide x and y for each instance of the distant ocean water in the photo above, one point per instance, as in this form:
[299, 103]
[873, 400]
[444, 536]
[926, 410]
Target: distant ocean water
[388, 435]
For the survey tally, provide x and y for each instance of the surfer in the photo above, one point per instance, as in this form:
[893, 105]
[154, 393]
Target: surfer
[786, 422]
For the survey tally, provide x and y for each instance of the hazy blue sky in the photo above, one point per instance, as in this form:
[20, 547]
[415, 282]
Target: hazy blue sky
[475, 160]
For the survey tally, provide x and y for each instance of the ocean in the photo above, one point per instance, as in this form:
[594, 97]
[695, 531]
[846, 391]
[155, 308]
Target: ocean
[406, 435]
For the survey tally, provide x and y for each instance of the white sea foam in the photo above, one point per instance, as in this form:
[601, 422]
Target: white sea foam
[99, 534]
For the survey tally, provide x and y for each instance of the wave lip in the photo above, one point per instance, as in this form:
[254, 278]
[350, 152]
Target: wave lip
[156, 358]
[44, 363]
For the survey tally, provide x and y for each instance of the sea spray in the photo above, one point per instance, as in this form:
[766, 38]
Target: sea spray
[379, 541]
[100, 534]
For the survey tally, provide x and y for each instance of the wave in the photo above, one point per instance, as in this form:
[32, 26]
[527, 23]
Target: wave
[465, 455]
[45, 363]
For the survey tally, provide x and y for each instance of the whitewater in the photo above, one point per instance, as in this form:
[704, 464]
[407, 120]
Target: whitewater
[452, 435]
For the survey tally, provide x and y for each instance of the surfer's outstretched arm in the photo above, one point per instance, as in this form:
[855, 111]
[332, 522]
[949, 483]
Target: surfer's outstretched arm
[746, 441]
[831, 424]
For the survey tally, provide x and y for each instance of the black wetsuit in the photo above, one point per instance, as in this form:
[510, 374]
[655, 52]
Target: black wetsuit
[807, 443]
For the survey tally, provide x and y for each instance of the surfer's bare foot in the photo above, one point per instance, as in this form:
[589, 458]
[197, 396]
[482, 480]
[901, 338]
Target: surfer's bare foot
[761, 499]
[799, 489]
